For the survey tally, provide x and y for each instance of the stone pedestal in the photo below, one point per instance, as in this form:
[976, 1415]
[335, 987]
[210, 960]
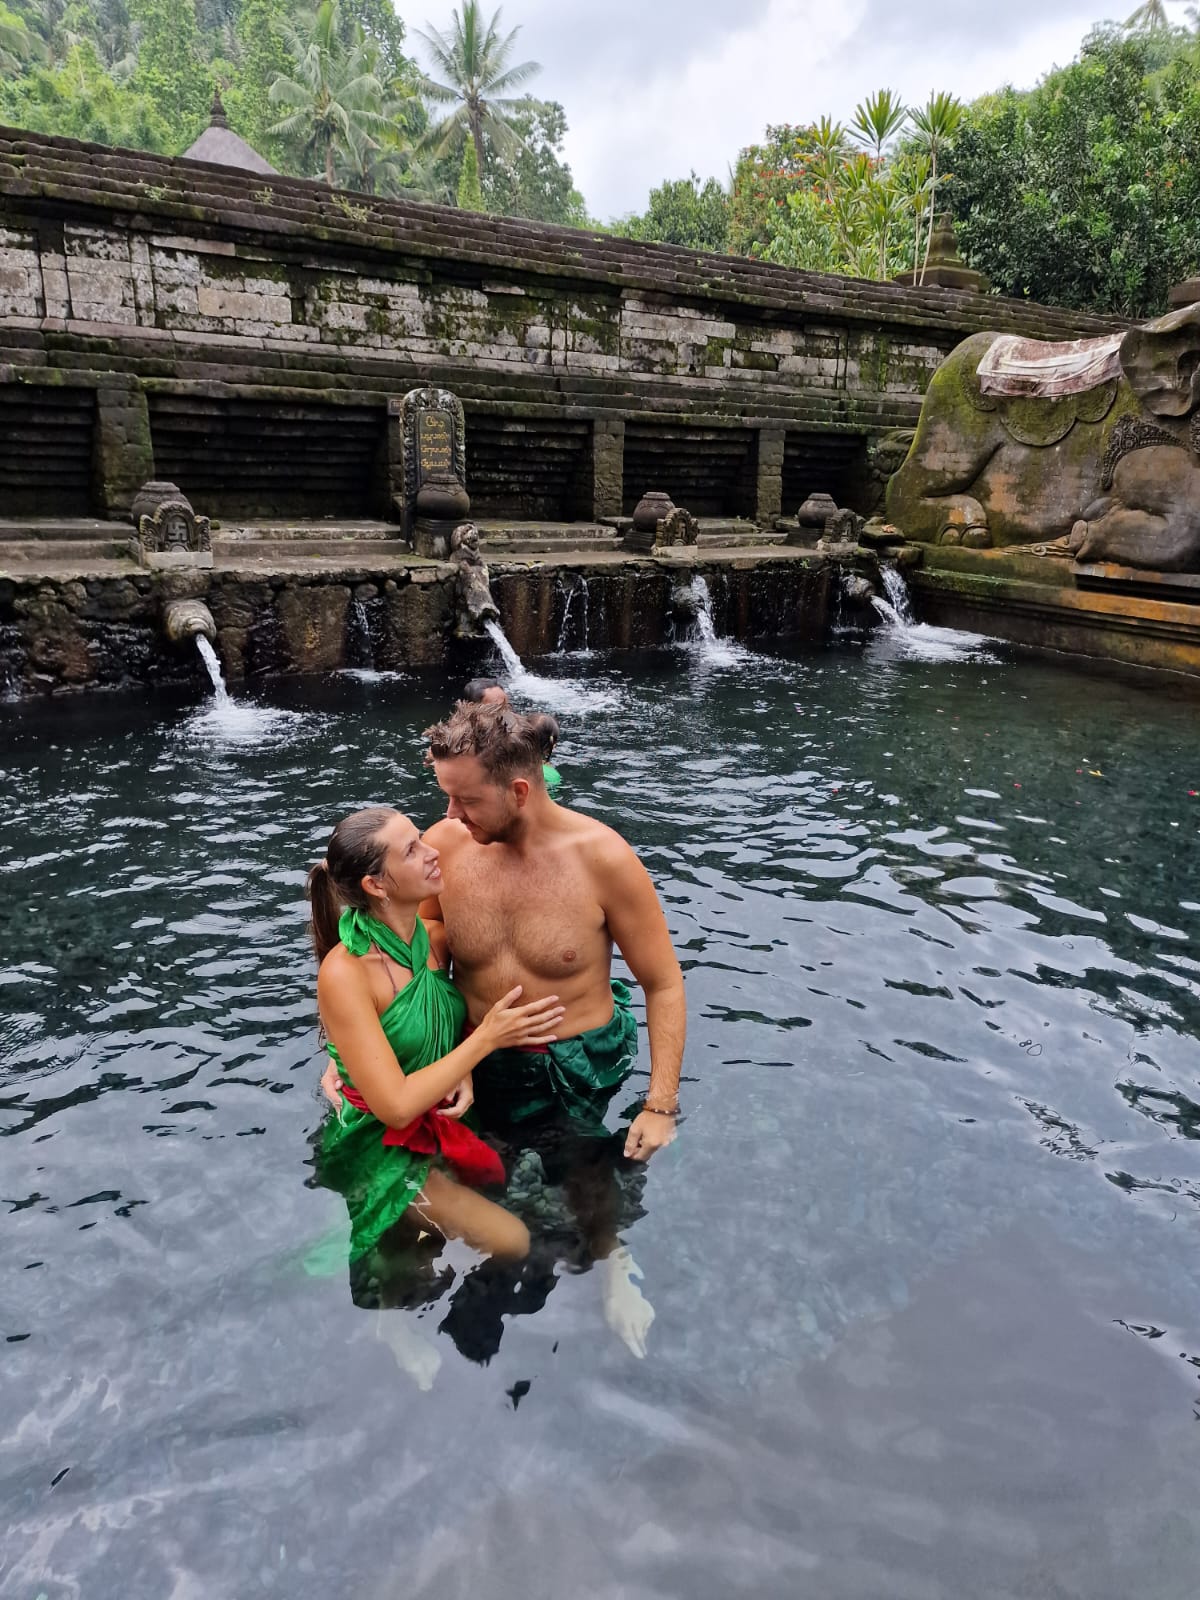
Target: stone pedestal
[946, 269]
[431, 536]
[433, 443]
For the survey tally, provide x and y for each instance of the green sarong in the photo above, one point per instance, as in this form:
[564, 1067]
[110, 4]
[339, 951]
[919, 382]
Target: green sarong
[576, 1076]
[552, 778]
[423, 1023]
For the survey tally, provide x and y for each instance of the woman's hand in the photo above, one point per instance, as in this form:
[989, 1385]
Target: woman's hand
[331, 1086]
[509, 1026]
[459, 1101]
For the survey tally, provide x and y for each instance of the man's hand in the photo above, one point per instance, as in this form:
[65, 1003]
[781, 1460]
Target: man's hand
[648, 1132]
[331, 1086]
[460, 1102]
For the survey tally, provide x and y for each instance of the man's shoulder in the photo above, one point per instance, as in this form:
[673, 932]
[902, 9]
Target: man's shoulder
[448, 834]
[596, 839]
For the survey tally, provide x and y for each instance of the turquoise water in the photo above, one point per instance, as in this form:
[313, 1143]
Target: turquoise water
[923, 1259]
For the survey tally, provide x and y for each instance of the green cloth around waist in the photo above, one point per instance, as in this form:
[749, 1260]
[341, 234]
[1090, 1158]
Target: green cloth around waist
[577, 1076]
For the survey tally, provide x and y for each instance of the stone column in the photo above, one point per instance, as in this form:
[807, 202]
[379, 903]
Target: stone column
[768, 488]
[608, 466]
[122, 453]
[394, 460]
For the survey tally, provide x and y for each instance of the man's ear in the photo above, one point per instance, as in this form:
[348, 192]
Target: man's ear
[520, 789]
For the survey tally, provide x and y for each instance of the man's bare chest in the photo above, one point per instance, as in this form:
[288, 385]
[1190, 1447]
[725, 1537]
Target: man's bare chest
[543, 916]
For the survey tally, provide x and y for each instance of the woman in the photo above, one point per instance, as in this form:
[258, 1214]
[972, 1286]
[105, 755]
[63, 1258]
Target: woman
[393, 1020]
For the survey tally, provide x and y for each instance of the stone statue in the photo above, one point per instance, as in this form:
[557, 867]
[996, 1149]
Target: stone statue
[677, 527]
[1095, 444]
[473, 586]
[169, 533]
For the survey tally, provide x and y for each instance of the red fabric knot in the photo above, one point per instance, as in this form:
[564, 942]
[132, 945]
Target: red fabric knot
[465, 1152]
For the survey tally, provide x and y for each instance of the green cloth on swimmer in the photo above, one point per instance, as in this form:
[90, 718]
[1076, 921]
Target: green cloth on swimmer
[553, 779]
[578, 1076]
[423, 1023]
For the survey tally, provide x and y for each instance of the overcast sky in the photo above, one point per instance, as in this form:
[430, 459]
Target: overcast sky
[654, 88]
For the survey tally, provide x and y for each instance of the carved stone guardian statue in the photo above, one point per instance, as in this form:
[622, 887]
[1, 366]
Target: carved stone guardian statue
[434, 441]
[473, 591]
[169, 533]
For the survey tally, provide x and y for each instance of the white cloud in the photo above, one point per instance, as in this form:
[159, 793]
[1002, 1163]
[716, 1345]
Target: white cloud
[655, 88]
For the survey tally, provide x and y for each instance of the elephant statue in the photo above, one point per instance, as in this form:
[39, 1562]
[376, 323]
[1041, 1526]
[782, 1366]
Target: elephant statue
[1094, 446]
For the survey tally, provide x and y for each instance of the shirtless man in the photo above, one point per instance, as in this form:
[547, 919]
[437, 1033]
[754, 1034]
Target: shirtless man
[537, 895]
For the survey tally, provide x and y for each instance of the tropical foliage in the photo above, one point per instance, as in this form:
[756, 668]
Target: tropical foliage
[323, 88]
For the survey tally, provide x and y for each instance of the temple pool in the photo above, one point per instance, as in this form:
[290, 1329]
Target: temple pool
[924, 1257]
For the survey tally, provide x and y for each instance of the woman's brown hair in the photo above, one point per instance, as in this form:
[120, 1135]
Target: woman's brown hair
[355, 851]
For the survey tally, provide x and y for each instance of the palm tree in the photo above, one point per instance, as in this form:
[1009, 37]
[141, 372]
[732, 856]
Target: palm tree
[336, 103]
[475, 62]
[877, 119]
[1149, 18]
[935, 125]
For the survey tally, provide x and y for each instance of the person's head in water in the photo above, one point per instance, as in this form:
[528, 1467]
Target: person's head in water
[488, 763]
[486, 691]
[547, 729]
[375, 860]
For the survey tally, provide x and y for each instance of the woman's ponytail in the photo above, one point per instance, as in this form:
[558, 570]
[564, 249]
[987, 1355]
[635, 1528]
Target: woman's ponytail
[326, 911]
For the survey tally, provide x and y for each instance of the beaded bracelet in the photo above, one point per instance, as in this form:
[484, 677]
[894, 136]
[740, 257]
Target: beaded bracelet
[658, 1110]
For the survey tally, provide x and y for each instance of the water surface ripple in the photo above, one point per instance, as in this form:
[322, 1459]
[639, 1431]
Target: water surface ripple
[923, 1259]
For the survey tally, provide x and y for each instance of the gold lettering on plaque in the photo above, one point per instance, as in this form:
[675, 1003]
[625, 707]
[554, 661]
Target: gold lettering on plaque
[435, 443]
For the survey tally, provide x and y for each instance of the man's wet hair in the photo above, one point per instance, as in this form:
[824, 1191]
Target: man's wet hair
[506, 744]
[478, 687]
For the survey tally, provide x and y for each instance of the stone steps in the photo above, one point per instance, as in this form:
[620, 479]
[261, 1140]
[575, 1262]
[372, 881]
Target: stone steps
[74, 552]
[68, 530]
[300, 532]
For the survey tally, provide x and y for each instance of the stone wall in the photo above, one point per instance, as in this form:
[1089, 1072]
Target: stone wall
[161, 285]
[61, 634]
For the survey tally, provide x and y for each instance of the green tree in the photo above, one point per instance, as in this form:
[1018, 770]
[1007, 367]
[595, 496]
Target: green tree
[1150, 16]
[263, 57]
[16, 42]
[170, 69]
[77, 99]
[477, 79]
[333, 99]
[379, 25]
[934, 126]
[529, 178]
[685, 212]
[877, 120]
[1081, 192]
[470, 195]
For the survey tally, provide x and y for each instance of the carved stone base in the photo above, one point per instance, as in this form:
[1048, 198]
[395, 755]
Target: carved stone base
[157, 560]
[431, 537]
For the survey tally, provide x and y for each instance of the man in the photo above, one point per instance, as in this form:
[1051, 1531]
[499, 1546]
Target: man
[537, 895]
[486, 691]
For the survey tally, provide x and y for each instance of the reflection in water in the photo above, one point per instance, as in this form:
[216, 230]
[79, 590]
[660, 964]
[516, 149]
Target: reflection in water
[935, 1191]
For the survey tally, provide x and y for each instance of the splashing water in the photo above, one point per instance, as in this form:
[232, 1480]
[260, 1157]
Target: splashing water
[702, 638]
[897, 592]
[551, 694]
[209, 657]
[902, 637]
[563, 646]
[225, 722]
[360, 647]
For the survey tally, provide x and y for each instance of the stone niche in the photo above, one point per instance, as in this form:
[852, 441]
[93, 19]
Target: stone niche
[433, 442]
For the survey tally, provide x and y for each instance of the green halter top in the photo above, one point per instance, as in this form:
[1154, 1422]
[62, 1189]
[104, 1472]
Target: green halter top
[423, 1023]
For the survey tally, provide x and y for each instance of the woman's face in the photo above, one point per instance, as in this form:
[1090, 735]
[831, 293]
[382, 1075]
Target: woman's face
[410, 870]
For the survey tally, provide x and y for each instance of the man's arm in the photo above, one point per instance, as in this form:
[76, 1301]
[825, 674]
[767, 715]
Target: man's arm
[639, 930]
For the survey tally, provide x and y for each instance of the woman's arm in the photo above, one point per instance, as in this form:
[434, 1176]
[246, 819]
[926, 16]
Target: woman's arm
[397, 1098]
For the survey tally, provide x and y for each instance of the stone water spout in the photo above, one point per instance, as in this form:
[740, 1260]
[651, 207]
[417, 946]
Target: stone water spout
[473, 590]
[189, 619]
